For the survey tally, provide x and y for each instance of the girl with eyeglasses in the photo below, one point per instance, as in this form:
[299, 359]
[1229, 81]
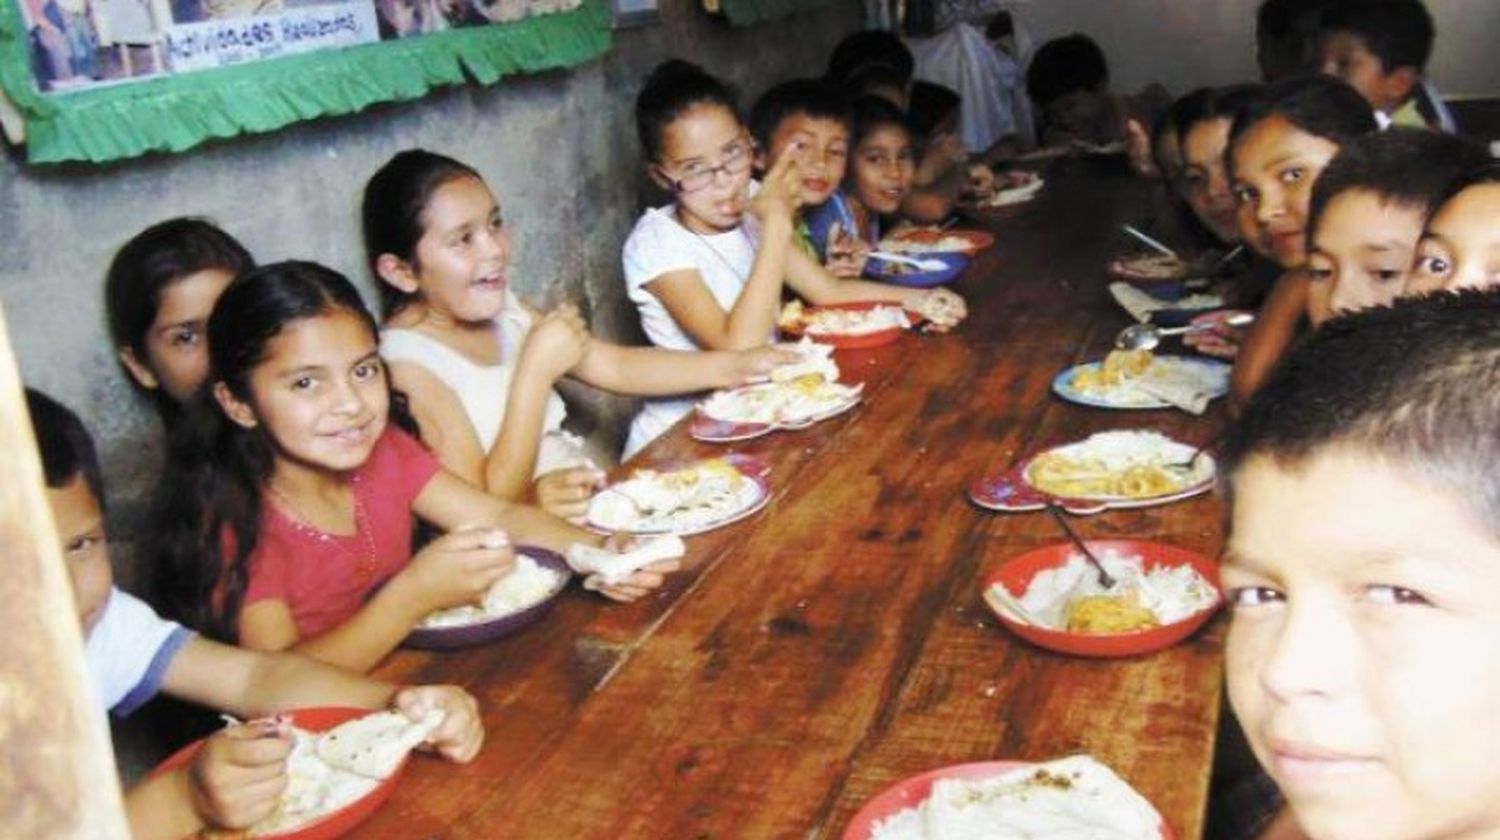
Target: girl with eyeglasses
[477, 364]
[707, 270]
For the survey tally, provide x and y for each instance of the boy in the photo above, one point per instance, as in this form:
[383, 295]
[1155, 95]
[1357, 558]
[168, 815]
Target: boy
[1381, 47]
[1461, 247]
[1363, 572]
[815, 117]
[236, 779]
[1367, 211]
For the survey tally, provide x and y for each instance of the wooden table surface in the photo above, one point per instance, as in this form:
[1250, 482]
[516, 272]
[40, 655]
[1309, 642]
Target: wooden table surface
[835, 643]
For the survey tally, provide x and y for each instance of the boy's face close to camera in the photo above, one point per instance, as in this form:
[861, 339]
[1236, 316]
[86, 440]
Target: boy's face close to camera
[85, 547]
[1363, 657]
[1461, 246]
[822, 153]
[1362, 253]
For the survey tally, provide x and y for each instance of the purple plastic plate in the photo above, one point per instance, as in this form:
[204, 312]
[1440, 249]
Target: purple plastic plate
[481, 632]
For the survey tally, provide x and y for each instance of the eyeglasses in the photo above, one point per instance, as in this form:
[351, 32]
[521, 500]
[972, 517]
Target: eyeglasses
[696, 176]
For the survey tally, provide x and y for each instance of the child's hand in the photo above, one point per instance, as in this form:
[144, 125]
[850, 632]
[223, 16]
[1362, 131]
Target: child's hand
[1220, 340]
[635, 587]
[458, 568]
[566, 493]
[1138, 149]
[942, 309]
[461, 734]
[755, 365]
[236, 779]
[556, 343]
[781, 190]
[847, 253]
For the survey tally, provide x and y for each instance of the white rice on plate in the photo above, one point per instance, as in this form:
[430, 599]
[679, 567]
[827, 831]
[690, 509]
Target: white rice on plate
[528, 584]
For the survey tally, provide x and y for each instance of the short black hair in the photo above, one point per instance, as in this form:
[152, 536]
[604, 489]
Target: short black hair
[930, 104]
[1415, 385]
[1204, 104]
[1000, 25]
[156, 258]
[1398, 32]
[1483, 172]
[871, 78]
[1407, 167]
[66, 449]
[815, 98]
[1285, 32]
[868, 47]
[673, 87]
[874, 112]
[1318, 105]
[1064, 65]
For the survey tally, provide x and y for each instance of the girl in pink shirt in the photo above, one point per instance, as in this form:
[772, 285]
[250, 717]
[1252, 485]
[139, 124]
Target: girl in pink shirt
[290, 526]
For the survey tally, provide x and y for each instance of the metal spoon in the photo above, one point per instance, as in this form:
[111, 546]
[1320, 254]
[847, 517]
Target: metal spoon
[920, 265]
[1105, 580]
[1148, 336]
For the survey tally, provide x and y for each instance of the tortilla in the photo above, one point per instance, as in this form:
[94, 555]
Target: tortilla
[374, 746]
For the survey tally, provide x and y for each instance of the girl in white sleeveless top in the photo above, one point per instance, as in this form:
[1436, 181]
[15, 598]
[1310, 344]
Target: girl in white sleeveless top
[476, 364]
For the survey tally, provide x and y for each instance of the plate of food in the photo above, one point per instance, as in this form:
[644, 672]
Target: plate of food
[901, 274]
[344, 765]
[797, 396]
[1117, 469]
[682, 499]
[848, 326]
[1052, 598]
[515, 602]
[1075, 796]
[1139, 379]
[1163, 309]
[933, 240]
[1149, 267]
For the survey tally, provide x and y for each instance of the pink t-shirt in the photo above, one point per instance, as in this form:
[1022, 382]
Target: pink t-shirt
[325, 578]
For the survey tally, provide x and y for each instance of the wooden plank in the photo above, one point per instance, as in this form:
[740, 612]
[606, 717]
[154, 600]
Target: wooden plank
[60, 771]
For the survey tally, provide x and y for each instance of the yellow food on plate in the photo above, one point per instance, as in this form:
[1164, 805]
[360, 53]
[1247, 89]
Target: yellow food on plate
[1059, 474]
[791, 316]
[1118, 367]
[1101, 614]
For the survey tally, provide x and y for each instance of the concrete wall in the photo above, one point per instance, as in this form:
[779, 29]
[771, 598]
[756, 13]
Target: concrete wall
[559, 149]
[1187, 43]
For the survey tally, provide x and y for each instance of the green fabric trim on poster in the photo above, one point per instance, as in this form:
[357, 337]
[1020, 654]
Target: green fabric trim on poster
[174, 113]
[751, 12]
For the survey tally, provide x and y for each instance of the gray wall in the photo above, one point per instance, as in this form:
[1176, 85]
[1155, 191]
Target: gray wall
[558, 149]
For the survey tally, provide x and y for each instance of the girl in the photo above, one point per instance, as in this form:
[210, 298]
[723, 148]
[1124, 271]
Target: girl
[160, 288]
[478, 364]
[884, 165]
[1278, 144]
[707, 271]
[292, 529]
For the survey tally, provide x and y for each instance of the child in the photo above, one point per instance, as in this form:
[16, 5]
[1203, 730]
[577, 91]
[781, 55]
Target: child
[1286, 34]
[1363, 572]
[1367, 212]
[132, 654]
[1278, 144]
[1381, 47]
[1068, 81]
[707, 271]
[159, 290]
[478, 365]
[1202, 120]
[884, 166]
[292, 527]
[811, 120]
[1461, 247]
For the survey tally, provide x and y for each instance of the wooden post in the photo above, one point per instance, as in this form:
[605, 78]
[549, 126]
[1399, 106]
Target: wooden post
[57, 771]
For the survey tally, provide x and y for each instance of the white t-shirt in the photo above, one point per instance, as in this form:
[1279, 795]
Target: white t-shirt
[660, 244]
[128, 652]
[484, 390]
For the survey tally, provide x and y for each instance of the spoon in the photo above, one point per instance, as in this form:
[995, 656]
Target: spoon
[1105, 579]
[920, 265]
[1148, 336]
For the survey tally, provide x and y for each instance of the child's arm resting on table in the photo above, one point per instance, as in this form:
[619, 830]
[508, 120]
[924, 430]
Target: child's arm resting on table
[651, 371]
[1275, 328]
[808, 279]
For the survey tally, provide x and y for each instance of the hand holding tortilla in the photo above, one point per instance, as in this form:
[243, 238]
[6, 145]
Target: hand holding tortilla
[235, 778]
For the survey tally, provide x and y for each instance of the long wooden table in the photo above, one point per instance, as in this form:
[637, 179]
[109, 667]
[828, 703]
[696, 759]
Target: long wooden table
[835, 643]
